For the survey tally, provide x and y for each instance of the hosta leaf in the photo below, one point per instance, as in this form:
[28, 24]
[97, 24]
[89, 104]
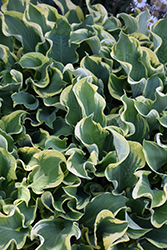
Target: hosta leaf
[109, 228]
[12, 80]
[66, 5]
[131, 24]
[7, 59]
[82, 198]
[69, 100]
[159, 216]
[160, 100]
[99, 203]
[56, 143]
[21, 193]
[91, 134]
[6, 104]
[163, 119]
[52, 100]
[90, 101]
[55, 85]
[98, 11]
[48, 174]
[138, 126]
[60, 127]
[158, 138]
[159, 28]
[143, 189]
[28, 100]
[121, 145]
[80, 73]
[34, 60]
[12, 122]
[101, 166]
[40, 63]
[18, 6]
[55, 233]
[116, 121]
[134, 230]
[78, 165]
[7, 41]
[14, 25]
[9, 140]
[26, 156]
[112, 23]
[123, 173]
[94, 189]
[143, 18]
[70, 211]
[7, 166]
[55, 201]
[39, 138]
[144, 108]
[148, 246]
[151, 62]
[58, 38]
[152, 84]
[67, 199]
[46, 115]
[157, 237]
[3, 142]
[151, 151]
[38, 15]
[86, 35]
[74, 16]
[97, 67]
[128, 53]
[29, 212]
[116, 85]
[106, 39]
[12, 229]
[143, 39]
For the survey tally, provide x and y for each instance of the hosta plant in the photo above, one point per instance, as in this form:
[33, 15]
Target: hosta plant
[83, 128]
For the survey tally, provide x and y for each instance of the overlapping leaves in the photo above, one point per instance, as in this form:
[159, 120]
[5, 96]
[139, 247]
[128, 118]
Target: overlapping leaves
[83, 122]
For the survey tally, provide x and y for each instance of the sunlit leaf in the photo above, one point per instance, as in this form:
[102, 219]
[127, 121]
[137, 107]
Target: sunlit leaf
[99, 203]
[131, 24]
[7, 166]
[123, 173]
[109, 228]
[157, 29]
[78, 165]
[138, 126]
[90, 101]
[12, 229]
[13, 122]
[48, 173]
[91, 134]
[38, 15]
[127, 52]
[151, 150]
[143, 189]
[15, 26]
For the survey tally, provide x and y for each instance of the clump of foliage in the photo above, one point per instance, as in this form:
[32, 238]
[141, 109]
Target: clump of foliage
[83, 128]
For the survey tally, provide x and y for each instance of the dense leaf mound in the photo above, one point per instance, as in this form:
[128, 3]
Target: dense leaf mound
[83, 128]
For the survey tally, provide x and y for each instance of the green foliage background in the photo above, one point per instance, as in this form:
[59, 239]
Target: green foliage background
[83, 128]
